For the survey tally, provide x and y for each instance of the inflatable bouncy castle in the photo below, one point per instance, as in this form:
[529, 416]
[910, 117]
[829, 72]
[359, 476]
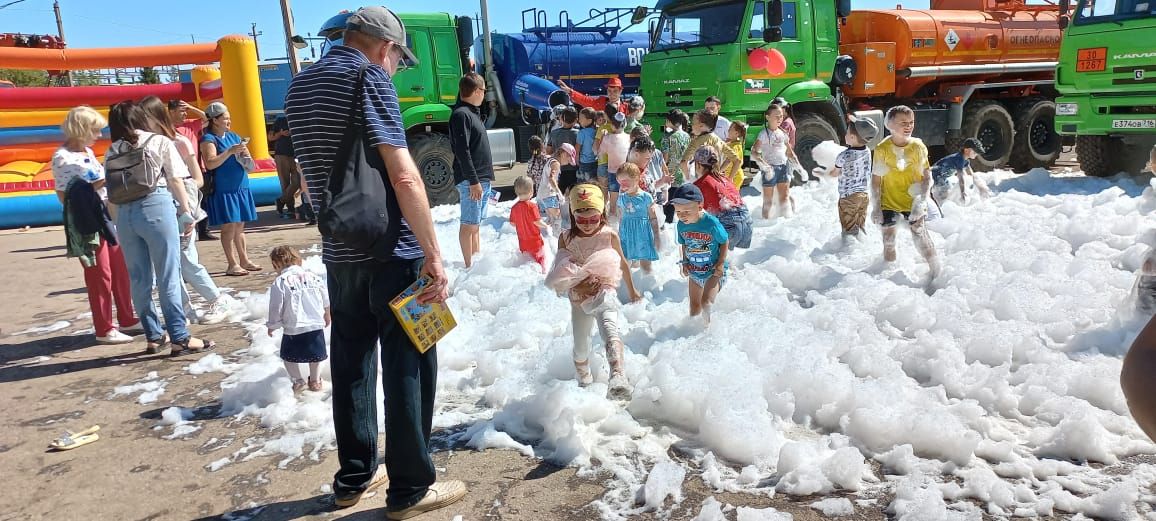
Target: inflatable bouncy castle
[30, 118]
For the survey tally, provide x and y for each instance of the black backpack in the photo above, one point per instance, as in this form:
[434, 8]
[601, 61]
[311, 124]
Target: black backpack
[358, 206]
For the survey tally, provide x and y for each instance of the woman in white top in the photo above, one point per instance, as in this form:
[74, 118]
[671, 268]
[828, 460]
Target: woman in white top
[193, 272]
[107, 279]
[150, 231]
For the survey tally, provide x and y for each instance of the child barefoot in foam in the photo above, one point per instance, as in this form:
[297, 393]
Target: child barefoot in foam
[299, 302]
[704, 248]
[587, 269]
[639, 226]
[901, 169]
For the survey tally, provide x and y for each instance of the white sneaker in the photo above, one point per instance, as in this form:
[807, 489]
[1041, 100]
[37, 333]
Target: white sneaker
[217, 313]
[439, 495]
[620, 388]
[114, 337]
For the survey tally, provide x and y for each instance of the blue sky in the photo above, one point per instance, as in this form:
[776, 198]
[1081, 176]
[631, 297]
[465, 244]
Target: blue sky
[118, 23]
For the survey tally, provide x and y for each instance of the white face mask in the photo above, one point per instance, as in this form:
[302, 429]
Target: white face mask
[668, 129]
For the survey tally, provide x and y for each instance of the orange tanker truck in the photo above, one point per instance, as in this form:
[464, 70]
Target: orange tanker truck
[969, 68]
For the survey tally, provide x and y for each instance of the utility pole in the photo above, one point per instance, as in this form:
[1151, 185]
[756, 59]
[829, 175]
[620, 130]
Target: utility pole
[255, 34]
[60, 32]
[287, 21]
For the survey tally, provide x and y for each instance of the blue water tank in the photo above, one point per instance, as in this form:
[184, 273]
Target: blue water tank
[583, 59]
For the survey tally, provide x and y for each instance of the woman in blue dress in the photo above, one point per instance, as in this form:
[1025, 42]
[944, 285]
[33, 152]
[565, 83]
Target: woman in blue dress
[231, 204]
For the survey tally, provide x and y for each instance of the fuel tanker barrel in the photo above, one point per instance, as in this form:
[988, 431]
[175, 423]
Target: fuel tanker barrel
[927, 38]
[582, 57]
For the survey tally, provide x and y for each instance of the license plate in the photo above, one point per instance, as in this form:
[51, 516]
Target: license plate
[1134, 123]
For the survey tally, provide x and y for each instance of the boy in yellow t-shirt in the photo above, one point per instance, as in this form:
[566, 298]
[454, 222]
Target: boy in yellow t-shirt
[901, 186]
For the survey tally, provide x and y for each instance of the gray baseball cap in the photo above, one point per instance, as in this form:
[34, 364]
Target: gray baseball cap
[379, 22]
[865, 127]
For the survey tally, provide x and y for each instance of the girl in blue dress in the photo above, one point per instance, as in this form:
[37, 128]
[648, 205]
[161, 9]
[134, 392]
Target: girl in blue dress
[231, 204]
[639, 226]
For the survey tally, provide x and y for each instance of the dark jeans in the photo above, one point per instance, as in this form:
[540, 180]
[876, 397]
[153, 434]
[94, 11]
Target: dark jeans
[359, 294]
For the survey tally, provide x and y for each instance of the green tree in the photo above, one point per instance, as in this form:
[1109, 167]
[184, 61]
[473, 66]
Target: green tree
[150, 76]
[24, 78]
[85, 78]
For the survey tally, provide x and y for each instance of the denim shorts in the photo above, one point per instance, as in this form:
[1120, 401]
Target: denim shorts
[587, 172]
[547, 203]
[612, 183]
[603, 169]
[779, 174]
[737, 223]
[473, 211]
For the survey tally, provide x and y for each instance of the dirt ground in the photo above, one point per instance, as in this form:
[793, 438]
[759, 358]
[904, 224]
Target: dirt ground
[59, 380]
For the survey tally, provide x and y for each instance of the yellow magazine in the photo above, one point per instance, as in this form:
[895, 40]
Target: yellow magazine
[424, 323]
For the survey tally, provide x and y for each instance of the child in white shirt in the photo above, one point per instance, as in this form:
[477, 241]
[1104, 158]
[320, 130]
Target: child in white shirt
[298, 302]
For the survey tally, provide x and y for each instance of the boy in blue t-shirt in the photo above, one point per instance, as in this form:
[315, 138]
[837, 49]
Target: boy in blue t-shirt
[957, 164]
[587, 159]
[703, 243]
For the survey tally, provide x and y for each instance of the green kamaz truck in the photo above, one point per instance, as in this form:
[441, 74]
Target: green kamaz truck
[1107, 83]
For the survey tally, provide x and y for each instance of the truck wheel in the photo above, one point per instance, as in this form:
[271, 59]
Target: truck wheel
[990, 123]
[1037, 145]
[435, 160]
[1095, 154]
[811, 130]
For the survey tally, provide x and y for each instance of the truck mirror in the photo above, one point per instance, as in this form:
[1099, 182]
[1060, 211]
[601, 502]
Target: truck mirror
[640, 14]
[774, 13]
[1065, 7]
[465, 31]
[773, 21]
[843, 8]
[1063, 21]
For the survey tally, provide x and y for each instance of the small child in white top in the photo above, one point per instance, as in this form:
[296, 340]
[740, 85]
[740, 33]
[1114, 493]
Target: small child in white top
[299, 303]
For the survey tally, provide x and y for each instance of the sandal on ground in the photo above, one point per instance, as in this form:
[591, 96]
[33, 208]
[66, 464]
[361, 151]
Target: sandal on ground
[156, 346]
[235, 271]
[298, 385]
[183, 348]
[252, 267]
[315, 385]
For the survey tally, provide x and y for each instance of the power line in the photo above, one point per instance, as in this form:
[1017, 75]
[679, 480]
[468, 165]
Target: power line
[14, 2]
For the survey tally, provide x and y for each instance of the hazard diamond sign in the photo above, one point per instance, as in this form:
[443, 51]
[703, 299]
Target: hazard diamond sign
[951, 39]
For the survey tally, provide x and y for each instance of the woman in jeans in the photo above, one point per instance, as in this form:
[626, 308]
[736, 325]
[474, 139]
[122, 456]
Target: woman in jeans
[231, 204]
[107, 277]
[150, 232]
[192, 271]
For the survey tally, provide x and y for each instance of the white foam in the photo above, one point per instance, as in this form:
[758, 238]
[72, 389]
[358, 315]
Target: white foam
[49, 328]
[987, 395]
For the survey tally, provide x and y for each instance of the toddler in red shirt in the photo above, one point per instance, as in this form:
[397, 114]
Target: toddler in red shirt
[528, 221]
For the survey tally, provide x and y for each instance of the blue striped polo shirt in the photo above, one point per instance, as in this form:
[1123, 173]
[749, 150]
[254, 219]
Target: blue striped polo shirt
[317, 107]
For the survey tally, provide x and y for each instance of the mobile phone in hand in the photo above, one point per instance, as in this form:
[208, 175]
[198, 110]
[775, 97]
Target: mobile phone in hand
[244, 141]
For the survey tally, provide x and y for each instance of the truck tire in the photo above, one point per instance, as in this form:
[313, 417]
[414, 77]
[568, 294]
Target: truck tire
[1096, 155]
[1037, 145]
[991, 124]
[810, 130]
[435, 160]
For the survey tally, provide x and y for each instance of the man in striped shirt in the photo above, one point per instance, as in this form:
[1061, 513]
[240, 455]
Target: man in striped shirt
[360, 287]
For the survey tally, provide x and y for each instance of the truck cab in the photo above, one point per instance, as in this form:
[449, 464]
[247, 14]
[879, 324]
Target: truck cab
[701, 49]
[1107, 83]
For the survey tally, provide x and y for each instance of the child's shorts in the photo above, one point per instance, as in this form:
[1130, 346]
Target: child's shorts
[891, 217]
[305, 348]
[779, 174]
[737, 222]
[587, 172]
[612, 182]
[701, 281]
[603, 169]
[548, 203]
[473, 211]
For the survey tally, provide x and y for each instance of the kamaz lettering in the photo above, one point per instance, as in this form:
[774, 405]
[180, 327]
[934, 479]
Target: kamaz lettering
[1134, 55]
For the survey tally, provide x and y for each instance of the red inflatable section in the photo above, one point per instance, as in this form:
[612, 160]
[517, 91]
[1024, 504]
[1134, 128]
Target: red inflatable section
[102, 96]
[41, 153]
